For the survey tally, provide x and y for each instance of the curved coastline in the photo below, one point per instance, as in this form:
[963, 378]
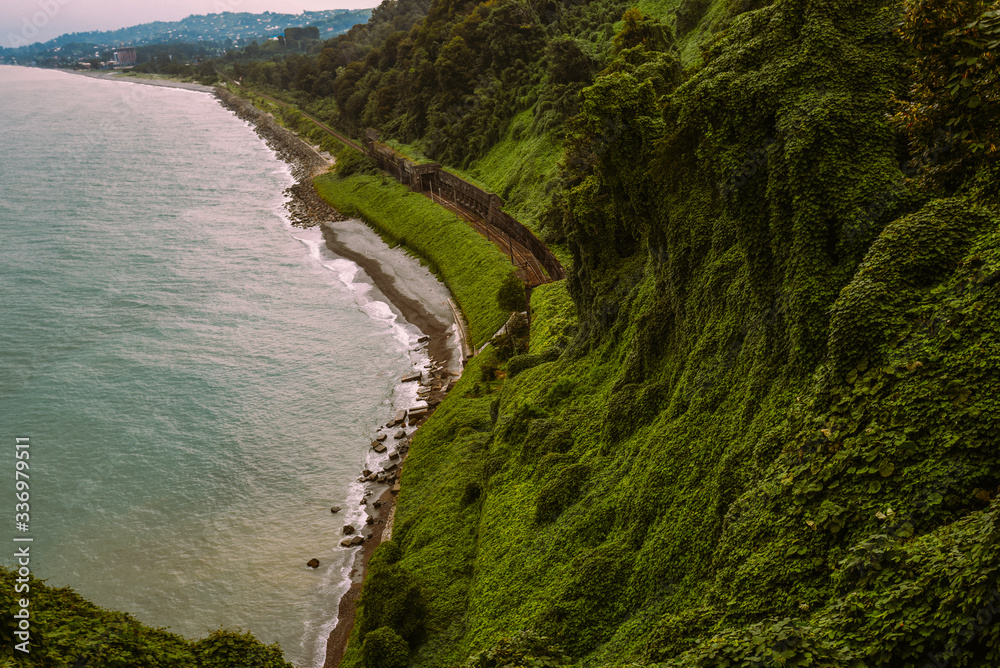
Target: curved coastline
[442, 332]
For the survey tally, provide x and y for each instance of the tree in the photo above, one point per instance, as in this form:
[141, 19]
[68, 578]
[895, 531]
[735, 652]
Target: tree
[510, 295]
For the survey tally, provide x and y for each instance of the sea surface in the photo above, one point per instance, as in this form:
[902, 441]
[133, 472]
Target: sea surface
[198, 379]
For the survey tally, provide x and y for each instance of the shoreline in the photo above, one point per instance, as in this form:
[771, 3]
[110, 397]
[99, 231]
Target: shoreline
[445, 350]
[444, 333]
[446, 342]
[119, 76]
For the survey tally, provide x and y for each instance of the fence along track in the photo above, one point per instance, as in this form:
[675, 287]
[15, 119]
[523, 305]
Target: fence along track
[482, 209]
[536, 263]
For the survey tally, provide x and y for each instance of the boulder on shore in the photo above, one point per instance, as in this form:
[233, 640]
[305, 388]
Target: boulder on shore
[313, 563]
[335, 510]
[348, 529]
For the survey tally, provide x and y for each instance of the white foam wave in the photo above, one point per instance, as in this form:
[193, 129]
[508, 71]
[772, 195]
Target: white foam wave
[404, 396]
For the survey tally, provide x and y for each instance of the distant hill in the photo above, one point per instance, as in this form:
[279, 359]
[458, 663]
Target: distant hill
[241, 28]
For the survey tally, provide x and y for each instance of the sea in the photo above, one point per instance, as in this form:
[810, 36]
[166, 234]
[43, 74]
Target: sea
[199, 381]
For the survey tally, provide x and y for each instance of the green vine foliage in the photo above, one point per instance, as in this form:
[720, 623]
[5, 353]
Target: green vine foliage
[764, 430]
[771, 440]
[956, 73]
[384, 648]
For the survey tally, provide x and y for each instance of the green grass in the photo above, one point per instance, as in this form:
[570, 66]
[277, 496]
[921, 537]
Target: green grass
[471, 267]
[411, 151]
[518, 169]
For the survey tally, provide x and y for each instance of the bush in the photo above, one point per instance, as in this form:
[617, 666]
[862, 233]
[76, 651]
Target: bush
[230, 649]
[510, 294]
[546, 436]
[386, 554]
[561, 389]
[521, 363]
[523, 649]
[351, 161]
[383, 648]
[488, 370]
[391, 597]
[514, 340]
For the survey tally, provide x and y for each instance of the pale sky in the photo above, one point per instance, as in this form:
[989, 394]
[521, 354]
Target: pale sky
[29, 21]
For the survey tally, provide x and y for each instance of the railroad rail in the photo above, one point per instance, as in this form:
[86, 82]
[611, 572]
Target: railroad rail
[469, 202]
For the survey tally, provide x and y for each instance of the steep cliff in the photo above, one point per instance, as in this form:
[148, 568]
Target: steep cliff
[770, 434]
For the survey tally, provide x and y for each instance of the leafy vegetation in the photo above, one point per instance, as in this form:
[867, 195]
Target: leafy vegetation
[66, 629]
[769, 437]
[953, 102]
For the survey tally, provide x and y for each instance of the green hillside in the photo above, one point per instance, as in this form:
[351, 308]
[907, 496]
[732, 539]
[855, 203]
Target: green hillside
[67, 630]
[765, 433]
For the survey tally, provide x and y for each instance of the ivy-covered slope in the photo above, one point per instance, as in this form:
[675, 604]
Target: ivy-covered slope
[772, 439]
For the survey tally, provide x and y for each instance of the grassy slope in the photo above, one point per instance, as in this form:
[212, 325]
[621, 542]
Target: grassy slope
[518, 169]
[472, 273]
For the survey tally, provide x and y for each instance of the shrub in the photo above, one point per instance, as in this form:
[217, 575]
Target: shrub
[521, 363]
[523, 649]
[226, 649]
[954, 79]
[386, 554]
[383, 648]
[351, 161]
[391, 597]
[510, 294]
[546, 436]
[561, 389]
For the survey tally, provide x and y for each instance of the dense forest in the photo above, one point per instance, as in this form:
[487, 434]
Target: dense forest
[757, 424]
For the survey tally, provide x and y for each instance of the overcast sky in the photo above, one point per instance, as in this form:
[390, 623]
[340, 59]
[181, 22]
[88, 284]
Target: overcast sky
[29, 21]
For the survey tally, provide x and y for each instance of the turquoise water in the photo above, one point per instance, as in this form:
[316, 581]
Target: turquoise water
[198, 379]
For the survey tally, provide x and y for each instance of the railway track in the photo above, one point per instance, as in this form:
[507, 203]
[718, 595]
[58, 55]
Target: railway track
[528, 267]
